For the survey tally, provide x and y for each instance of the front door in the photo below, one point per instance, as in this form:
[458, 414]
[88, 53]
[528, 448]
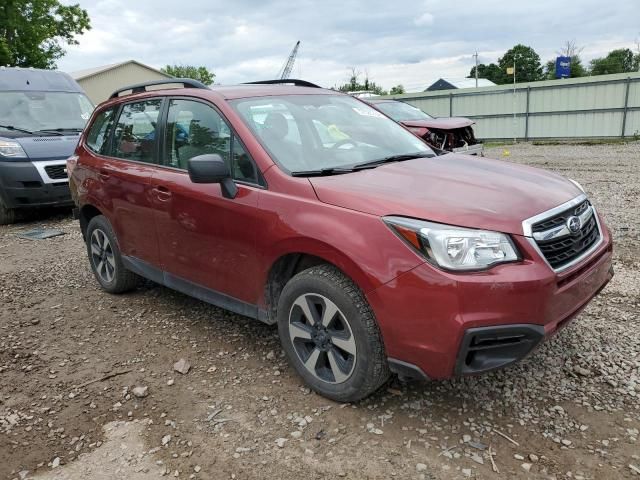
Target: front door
[204, 238]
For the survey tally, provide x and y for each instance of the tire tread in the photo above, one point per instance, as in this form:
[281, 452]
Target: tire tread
[378, 368]
[7, 215]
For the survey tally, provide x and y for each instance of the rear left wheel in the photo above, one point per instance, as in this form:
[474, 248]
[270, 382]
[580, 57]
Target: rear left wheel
[105, 258]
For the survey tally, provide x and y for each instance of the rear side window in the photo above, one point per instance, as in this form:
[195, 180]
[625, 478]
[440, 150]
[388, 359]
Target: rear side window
[194, 128]
[135, 132]
[98, 136]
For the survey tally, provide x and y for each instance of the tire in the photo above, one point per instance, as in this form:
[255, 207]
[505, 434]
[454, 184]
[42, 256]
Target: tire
[7, 215]
[105, 258]
[344, 352]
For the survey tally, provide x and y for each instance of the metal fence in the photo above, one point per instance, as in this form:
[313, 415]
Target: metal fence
[591, 107]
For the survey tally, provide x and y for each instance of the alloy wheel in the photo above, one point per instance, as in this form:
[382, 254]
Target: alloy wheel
[322, 338]
[102, 256]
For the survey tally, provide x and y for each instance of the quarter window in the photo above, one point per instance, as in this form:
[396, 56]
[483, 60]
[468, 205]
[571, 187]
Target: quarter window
[98, 136]
[194, 128]
[135, 132]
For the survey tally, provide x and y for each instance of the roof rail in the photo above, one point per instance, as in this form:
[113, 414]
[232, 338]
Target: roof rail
[285, 81]
[142, 87]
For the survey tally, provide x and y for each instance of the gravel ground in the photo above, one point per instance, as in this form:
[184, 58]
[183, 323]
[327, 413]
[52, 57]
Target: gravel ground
[74, 364]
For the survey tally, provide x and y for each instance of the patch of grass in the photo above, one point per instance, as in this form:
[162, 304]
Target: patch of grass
[585, 141]
[496, 144]
[566, 141]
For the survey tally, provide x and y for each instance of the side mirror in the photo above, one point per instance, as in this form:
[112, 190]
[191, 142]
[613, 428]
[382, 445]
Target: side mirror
[211, 168]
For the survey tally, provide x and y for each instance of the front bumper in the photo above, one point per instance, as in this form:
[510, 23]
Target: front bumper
[28, 185]
[441, 324]
[476, 149]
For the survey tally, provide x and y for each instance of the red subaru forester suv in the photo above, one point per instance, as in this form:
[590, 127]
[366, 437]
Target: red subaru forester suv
[308, 208]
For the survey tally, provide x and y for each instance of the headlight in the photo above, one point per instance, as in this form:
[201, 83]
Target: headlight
[11, 149]
[577, 185]
[455, 248]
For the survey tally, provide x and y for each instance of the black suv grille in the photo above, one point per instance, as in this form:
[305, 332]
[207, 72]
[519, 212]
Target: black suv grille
[562, 250]
[56, 172]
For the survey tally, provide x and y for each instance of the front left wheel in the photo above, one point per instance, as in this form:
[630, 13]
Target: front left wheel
[330, 336]
[105, 257]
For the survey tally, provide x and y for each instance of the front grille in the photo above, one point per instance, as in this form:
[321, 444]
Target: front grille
[561, 218]
[56, 172]
[564, 249]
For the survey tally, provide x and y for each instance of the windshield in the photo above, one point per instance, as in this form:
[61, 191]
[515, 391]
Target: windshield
[401, 111]
[37, 111]
[322, 132]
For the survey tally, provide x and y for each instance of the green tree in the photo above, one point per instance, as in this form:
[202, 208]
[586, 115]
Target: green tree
[33, 32]
[528, 66]
[397, 90]
[354, 84]
[202, 74]
[491, 72]
[621, 60]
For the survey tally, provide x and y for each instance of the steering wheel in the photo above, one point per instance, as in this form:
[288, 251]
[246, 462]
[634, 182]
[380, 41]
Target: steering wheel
[346, 141]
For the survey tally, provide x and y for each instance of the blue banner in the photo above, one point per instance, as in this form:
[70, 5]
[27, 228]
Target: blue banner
[563, 67]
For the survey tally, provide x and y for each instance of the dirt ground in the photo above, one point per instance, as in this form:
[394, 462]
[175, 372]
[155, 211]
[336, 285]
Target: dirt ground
[570, 410]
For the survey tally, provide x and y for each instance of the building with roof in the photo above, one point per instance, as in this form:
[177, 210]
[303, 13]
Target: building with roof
[454, 83]
[100, 82]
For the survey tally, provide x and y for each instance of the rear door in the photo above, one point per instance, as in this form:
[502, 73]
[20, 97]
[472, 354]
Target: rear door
[126, 178]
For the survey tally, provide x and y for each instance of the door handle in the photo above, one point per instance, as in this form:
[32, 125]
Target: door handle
[162, 192]
[103, 174]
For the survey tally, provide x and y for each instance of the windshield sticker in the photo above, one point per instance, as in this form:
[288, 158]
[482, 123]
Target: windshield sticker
[368, 112]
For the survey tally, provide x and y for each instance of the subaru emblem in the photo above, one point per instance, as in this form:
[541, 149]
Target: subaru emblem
[574, 224]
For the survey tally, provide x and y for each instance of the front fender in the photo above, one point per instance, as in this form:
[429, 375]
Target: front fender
[342, 237]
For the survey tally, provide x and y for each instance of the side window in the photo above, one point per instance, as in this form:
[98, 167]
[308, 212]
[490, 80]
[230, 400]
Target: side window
[135, 132]
[98, 136]
[194, 128]
[243, 168]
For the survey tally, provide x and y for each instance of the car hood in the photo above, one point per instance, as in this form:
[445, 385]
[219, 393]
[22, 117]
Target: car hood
[440, 123]
[54, 147]
[454, 189]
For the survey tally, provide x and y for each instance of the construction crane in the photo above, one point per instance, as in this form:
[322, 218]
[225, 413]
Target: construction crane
[288, 66]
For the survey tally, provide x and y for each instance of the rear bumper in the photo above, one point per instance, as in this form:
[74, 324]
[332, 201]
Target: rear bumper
[27, 185]
[440, 324]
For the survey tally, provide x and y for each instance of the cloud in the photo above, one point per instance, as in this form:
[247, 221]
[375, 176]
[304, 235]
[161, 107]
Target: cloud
[424, 19]
[408, 42]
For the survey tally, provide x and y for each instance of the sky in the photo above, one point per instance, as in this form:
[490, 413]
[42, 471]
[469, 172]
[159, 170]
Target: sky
[412, 43]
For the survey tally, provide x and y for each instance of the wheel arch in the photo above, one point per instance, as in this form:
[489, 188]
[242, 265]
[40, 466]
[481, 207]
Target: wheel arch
[291, 261]
[87, 212]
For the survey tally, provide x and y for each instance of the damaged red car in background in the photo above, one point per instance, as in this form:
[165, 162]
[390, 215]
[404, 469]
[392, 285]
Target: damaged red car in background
[444, 135]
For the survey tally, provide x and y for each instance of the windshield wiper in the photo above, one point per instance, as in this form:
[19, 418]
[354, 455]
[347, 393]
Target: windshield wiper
[71, 129]
[16, 129]
[361, 166]
[321, 172]
[53, 131]
[391, 159]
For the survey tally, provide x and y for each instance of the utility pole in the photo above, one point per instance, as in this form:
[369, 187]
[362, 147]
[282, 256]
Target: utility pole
[476, 55]
[514, 101]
